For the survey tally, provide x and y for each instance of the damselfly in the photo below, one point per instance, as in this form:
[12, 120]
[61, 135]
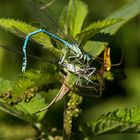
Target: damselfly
[74, 48]
[82, 72]
[74, 59]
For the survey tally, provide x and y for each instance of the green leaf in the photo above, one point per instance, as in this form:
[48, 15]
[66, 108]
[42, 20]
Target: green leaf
[95, 27]
[26, 94]
[73, 17]
[126, 12]
[22, 29]
[24, 110]
[5, 85]
[19, 114]
[33, 106]
[70, 80]
[35, 78]
[94, 48]
[118, 121]
[29, 82]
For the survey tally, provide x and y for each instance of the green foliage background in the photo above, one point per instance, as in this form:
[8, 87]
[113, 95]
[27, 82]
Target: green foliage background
[123, 94]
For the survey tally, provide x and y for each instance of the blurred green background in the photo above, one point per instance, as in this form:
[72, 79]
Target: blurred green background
[124, 93]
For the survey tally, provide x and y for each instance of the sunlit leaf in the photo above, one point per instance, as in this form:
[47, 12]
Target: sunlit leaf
[94, 48]
[73, 16]
[22, 29]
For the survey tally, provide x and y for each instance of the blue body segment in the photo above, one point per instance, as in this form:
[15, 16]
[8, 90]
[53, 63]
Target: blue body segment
[73, 47]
